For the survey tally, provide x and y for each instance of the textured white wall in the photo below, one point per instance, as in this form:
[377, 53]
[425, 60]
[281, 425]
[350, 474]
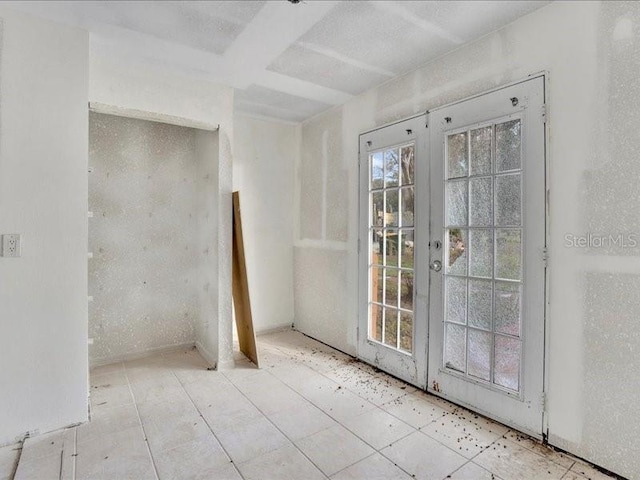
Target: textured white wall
[43, 196]
[155, 93]
[264, 158]
[592, 52]
[145, 192]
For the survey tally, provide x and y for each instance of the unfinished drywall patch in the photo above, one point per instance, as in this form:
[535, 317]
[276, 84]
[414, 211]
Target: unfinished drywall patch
[320, 296]
[612, 341]
[265, 153]
[323, 181]
[143, 193]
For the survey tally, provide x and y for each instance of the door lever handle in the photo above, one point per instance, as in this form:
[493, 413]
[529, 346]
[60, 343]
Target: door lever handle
[436, 265]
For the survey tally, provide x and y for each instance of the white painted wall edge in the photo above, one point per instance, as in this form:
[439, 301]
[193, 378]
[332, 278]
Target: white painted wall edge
[210, 357]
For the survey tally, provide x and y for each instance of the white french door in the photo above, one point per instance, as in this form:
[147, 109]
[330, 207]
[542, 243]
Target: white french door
[487, 270]
[452, 252]
[392, 327]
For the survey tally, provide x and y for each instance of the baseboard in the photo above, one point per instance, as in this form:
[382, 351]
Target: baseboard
[126, 357]
[277, 329]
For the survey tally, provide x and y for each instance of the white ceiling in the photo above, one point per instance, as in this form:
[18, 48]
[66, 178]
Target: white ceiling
[287, 61]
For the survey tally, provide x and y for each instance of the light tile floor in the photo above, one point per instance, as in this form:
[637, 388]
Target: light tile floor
[309, 412]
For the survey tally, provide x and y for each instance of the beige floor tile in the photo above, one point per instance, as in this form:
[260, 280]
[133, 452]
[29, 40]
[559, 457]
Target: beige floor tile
[106, 422]
[423, 457]
[471, 471]
[338, 402]
[250, 440]
[174, 431]
[43, 468]
[221, 420]
[294, 375]
[285, 463]
[465, 432]
[378, 428]
[302, 421]
[537, 447]
[224, 472]
[46, 445]
[513, 462]
[109, 396]
[9, 456]
[69, 455]
[123, 454]
[334, 449]
[374, 467]
[304, 387]
[415, 410]
[222, 397]
[190, 460]
[376, 389]
[276, 399]
[158, 390]
[198, 374]
[125, 466]
[112, 379]
[164, 410]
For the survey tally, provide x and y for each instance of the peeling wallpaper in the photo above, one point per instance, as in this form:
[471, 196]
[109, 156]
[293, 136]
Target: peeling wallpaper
[593, 104]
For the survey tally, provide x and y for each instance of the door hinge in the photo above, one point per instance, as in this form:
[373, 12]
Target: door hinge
[543, 113]
[545, 257]
[543, 401]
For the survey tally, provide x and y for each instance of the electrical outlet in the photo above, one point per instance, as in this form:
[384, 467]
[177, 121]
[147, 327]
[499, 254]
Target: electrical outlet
[11, 245]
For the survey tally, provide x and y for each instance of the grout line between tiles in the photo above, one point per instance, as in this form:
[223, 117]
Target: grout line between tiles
[376, 406]
[324, 374]
[274, 425]
[146, 442]
[208, 425]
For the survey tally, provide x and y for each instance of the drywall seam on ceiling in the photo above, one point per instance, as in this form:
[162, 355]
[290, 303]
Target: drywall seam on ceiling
[343, 58]
[151, 116]
[395, 9]
[302, 88]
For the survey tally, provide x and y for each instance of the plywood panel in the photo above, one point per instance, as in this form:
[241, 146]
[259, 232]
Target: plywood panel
[241, 301]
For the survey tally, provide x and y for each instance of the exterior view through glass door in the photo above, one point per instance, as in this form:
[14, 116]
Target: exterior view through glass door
[486, 326]
[393, 178]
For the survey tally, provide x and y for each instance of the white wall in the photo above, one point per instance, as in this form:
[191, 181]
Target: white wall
[155, 93]
[43, 196]
[265, 154]
[592, 53]
[147, 194]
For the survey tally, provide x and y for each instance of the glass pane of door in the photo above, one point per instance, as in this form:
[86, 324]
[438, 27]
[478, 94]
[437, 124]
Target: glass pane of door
[483, 254]
[390, 246]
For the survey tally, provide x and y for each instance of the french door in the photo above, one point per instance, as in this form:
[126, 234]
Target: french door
[452, 252]
[392, 328]
[487, 254]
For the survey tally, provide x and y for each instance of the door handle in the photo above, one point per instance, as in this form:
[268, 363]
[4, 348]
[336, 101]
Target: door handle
[436, 265]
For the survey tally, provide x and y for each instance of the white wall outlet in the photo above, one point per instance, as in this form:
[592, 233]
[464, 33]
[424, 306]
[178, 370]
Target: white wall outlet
[11, 245]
